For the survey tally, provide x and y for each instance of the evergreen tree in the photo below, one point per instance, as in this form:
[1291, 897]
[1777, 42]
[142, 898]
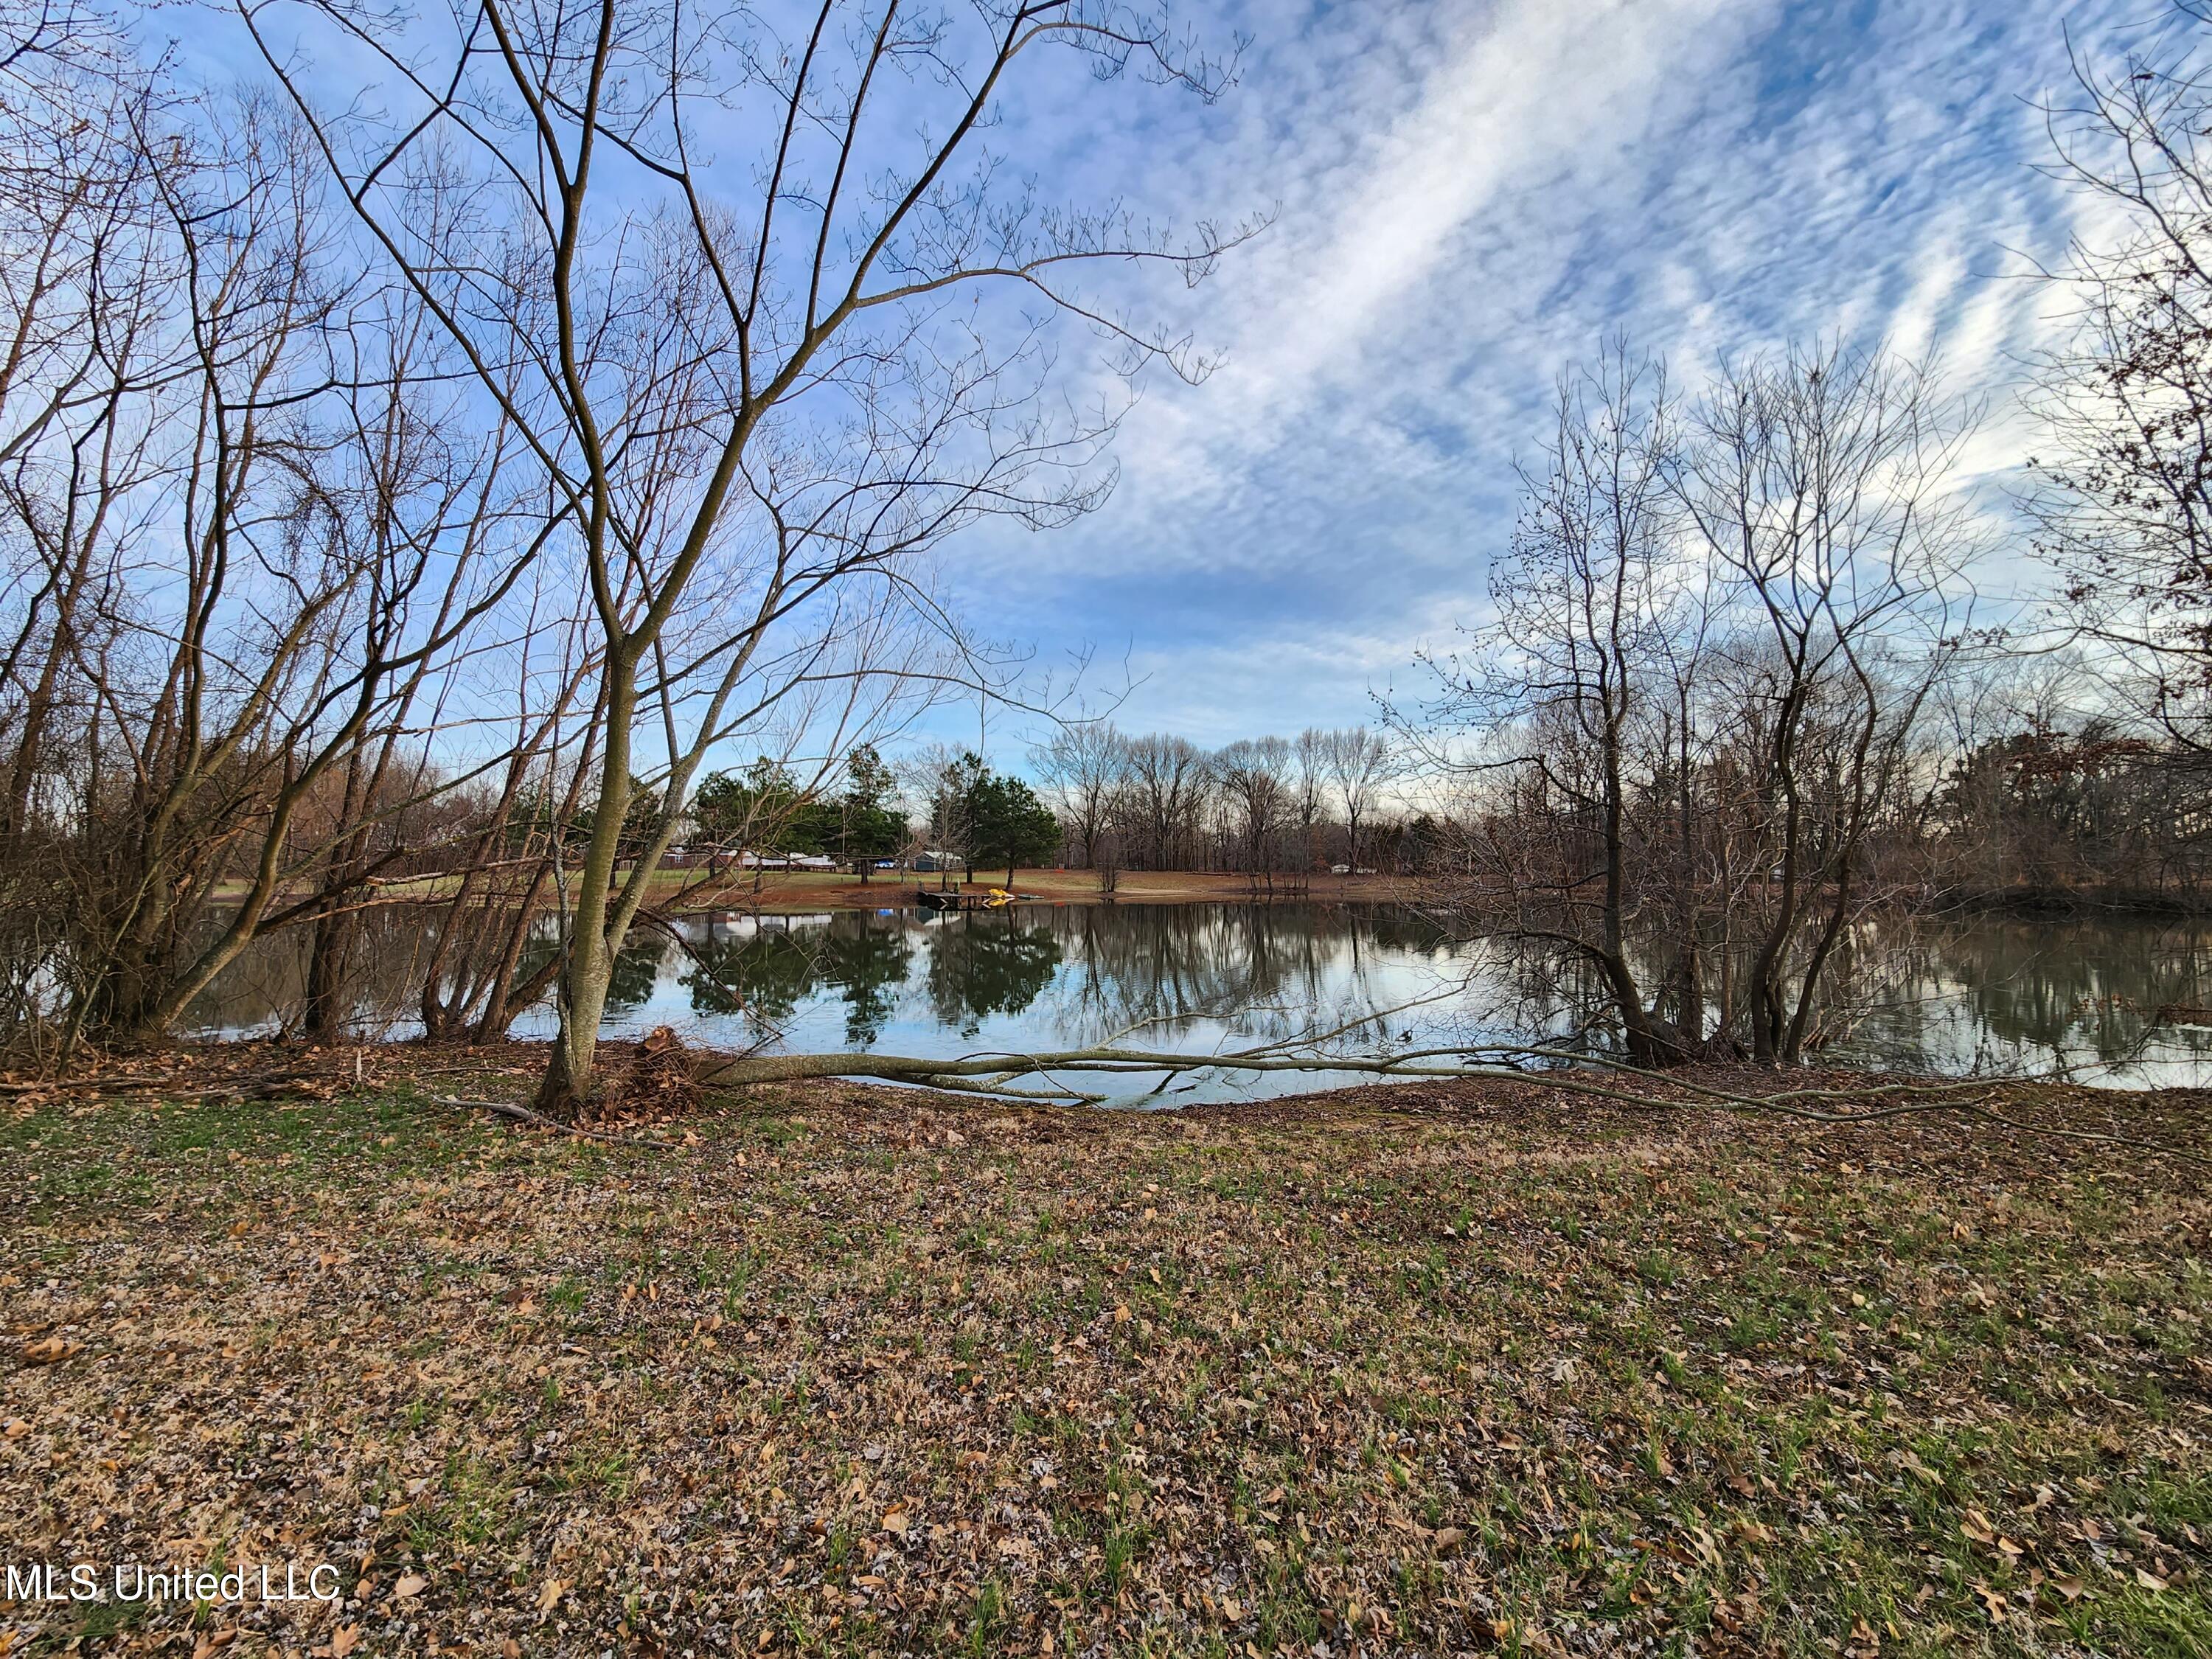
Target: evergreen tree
[1009, 825]
[869, 828]
[759, 810]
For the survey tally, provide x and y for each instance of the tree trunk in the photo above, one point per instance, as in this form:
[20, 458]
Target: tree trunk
[1690, 1010]
[329, 960]
[589, 967]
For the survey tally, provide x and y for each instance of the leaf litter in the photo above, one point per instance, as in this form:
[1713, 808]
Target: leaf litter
[1423, 1369]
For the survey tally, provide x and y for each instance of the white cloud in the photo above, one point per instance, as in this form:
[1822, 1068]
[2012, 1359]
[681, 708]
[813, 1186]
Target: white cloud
[1472, 197]
[1534, 99]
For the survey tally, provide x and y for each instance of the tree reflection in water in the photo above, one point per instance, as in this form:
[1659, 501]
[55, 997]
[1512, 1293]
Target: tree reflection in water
[2068, 996]
[1271, 972]
[1994, 995]
[987, 963]
[765, 973]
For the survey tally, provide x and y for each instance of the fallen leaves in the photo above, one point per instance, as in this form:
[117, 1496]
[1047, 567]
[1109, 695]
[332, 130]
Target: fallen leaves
[1909, 1460]
[550, 1381]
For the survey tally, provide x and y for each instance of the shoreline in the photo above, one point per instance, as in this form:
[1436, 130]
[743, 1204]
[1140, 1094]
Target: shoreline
[784, 894]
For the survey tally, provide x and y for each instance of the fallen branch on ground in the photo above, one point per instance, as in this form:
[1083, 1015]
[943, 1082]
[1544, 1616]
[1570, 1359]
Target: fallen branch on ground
[995, 1074]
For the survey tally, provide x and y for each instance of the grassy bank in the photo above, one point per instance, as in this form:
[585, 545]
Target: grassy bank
[1408, 1370]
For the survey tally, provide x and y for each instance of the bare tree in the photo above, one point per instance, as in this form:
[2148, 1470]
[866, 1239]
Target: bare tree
[1253, 776]
[1822, 485]
[2125, 496]
[943, 779]
[1309, 787]
[1169, 786]
[1584, 603]
[1696, 709]
[1358, 760]
[740, 376]
[1084, 767]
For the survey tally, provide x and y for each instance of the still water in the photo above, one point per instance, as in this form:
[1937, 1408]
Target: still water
[2115, 1003]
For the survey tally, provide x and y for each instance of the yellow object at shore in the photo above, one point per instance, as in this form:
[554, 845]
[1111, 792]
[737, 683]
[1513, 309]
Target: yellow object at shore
[999, 895]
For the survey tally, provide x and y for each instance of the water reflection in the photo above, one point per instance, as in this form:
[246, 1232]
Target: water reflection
[2103, 1001]
[2108, 1002]
[767, 973]
[981, 965]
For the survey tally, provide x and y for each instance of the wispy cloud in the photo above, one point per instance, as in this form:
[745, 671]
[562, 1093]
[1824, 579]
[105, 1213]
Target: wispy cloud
[1471, 197]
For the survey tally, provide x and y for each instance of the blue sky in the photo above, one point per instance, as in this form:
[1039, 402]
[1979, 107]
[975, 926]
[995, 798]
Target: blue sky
[1468, 196]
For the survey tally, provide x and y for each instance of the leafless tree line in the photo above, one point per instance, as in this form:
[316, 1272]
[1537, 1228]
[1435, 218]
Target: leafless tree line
[419, 459]
[1261, 805]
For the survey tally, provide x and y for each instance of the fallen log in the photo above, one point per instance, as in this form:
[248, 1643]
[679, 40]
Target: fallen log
[997, 1074]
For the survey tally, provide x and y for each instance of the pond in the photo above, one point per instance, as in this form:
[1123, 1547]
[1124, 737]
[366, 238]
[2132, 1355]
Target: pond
[2110, 1002]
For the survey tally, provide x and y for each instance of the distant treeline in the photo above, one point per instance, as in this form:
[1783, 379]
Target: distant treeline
[1260, 804]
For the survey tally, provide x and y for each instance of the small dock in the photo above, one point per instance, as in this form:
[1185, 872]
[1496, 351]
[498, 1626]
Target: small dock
[947, 902]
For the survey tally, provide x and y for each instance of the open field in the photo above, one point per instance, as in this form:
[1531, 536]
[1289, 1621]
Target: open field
[1420, 1370]
[784, 891]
